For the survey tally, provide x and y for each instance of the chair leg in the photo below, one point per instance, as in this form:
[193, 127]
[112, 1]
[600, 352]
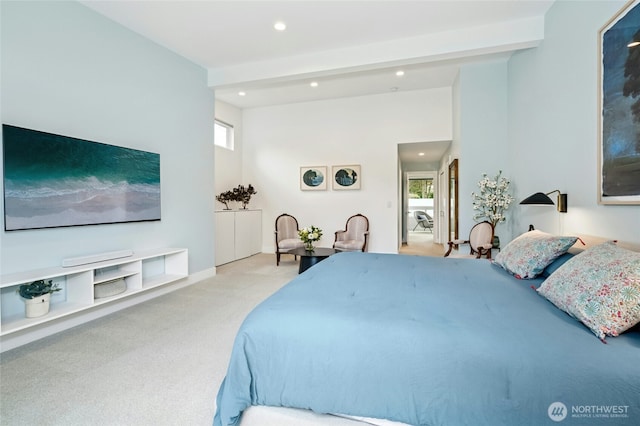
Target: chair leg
[449, 251]
[277, 258]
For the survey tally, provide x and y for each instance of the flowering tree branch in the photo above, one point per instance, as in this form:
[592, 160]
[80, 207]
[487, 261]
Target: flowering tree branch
[493, 199]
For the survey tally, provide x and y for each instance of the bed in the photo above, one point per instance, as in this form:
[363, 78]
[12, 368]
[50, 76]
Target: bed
[427, 341]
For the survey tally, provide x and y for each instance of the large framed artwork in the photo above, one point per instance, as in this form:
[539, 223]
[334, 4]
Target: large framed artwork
[313, 178]
[619, 108]
[346, 177]
[54, 181]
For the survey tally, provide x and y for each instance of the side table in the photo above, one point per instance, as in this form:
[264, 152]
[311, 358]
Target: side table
[310, 258]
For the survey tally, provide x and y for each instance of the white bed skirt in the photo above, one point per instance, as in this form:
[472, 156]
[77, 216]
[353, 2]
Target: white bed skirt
[257, 415]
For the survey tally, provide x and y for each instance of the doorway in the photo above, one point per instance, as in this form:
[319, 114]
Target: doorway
[420, 213]
[419, 189]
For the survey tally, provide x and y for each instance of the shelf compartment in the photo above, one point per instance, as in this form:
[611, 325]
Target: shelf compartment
[159, 270]
[17, 322]
[112, 275]
[142, 271]
[127, 292]
[159, 280]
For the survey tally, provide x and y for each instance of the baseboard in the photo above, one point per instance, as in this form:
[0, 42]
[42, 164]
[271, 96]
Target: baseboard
[202, 275]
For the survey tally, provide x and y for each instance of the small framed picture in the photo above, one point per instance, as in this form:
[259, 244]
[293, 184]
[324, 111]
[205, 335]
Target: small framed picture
[346, 177]
[313, 178]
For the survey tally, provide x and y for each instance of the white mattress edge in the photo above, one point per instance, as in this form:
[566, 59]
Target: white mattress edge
[259, 415]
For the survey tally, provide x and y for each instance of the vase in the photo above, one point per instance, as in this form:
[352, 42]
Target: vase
[38, 306]
[308, 245]
[496, 242]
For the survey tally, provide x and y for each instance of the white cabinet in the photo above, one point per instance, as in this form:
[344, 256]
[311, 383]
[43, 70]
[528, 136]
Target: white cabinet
[238, 234]
[248, 230]
[225, 237]
[142, 271]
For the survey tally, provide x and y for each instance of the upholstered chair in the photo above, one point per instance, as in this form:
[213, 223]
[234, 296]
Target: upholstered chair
[480, 242]
[423, 220]
[287, 237]
[355, 235]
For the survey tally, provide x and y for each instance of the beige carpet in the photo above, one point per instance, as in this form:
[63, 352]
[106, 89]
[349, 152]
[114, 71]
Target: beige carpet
[158, 363]
[421, 244]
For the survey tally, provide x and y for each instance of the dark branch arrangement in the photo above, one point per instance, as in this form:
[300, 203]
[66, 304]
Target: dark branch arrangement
[240, 194]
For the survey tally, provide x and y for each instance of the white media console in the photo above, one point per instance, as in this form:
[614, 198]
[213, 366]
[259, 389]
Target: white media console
[141, 271]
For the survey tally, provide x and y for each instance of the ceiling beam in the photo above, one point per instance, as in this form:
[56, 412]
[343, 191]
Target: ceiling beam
[444, 46]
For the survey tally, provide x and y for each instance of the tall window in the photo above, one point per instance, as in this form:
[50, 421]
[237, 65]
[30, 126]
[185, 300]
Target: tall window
[223, 134]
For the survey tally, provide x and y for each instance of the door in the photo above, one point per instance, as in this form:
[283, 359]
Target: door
[421, 192]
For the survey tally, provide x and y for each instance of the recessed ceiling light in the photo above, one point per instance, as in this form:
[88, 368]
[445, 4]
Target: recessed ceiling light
[421, 154]
[241, 93]
[280, 26]
[400, 73]
[314, 84]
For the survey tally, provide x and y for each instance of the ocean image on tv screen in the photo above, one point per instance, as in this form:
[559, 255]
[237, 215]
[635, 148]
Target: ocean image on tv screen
[52, 180]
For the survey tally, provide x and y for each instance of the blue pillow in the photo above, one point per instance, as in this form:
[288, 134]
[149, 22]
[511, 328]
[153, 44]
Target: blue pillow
[550, 269]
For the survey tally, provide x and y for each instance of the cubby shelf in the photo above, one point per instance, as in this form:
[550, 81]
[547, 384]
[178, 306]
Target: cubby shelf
[141, 271]
[108, 276]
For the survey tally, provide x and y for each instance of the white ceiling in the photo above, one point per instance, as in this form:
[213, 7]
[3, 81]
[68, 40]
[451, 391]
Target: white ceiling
[422, 152]
[350, 48]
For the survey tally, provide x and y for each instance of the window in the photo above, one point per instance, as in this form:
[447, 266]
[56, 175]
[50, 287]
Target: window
[421, 188]
[223, 134]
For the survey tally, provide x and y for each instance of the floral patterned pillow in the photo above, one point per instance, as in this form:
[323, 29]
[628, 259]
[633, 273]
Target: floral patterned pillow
[600, 287]
[528, 255]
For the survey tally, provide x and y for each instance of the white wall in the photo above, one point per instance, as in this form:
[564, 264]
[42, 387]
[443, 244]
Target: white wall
[68, 70]
[364, 130]
[228, 164]
[553, 125]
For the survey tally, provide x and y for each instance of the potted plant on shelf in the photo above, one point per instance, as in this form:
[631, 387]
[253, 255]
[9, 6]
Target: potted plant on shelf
[239, 194]
[243, 194]
[492, 201]
[225, 198]
[37, 297]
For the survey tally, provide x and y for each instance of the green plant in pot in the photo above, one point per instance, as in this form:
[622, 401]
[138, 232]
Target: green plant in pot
[37, 297]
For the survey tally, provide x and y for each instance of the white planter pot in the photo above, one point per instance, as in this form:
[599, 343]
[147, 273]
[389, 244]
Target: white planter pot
[38, 306]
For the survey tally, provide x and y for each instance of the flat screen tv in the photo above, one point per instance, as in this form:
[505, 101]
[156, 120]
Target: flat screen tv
[52, 181]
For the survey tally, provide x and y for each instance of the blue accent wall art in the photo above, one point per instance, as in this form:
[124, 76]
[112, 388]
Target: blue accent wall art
[313, 178]
[619, 135]
[346, 177]
[52, 181]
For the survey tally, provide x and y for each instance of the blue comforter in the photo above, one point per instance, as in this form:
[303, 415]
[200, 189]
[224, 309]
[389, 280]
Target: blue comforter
[427, 341]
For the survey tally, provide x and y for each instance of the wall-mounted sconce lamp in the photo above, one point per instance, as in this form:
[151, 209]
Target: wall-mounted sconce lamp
[543, 199]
